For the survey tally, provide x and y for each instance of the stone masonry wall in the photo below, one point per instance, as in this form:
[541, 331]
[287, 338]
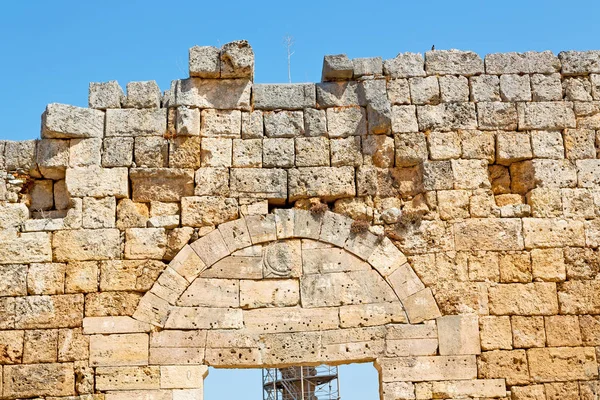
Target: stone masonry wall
[437, 216]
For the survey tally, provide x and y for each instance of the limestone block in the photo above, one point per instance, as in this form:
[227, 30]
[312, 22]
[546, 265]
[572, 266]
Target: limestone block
[133, 122]
[187, 263]
[379, 112]
[546, 115]
[588, 175]
[489, 234]
[284, 124]
[127, 378]
[221, 94]
[276, 293]
[315, 122]
[495, 333]
[262, 228]
[373, 314]
[86, 244]
[312, 152]
[538, 298]
[111, 303]
[328, 260]
[488, 388]
[470, 174]
[290, 348]
[40, 312]
[7, 307]
[421, 306]
[386, 258]
[142, 94]
[20, 155]
[40, 346]
[13, 280]
[188, 121]
[563, 390]
[210, 248]
[283, 96]
[562, 364]
[367, 66]
[515, 87]
[141, 395]
[543, 233]
[339, 94]
[443, 145]
[579, 297]
[207, 210]
[398, 91]
[41, 199]
[424, 90]
[205, 318]
[398, 390]
[378, 150]
[411, 149]
[119, 350]
[404, 65]
[307, 224]
[46, 278]
[497, 115]
[357, 344]
[329, 183]
[221, 123]
[459, 334]
[278, 153]
[429, 368]
[21, 381]
[152, 309]
[161, 184]
[216, 152]
[11, 346]
[447, 116]
[577, 89]
[182, 377]
[547, 144]
[337, 68]
[282, 260]
[97, 182]
[453, 62]
[531, 392]
[548, 265]
[103, 95]
[513, 147]
[116, 275]
[247, 153]
[411, 347]
[212, 182]
[355, 287]
[204, 62]
[111, 325]
[273, 320]
[52, 158]
[237, 60]
[579, 144]
[335, 229]
[562, 330]
[346, 121]
[546, 87]
[99, 213]
[118, 152]
[13, 215]
[131, 215]
[184, 152]
[485, 88]
[61, 121]
[578, 203]
[511, 365]
[83, 152]
[454, 89]
[206, 292]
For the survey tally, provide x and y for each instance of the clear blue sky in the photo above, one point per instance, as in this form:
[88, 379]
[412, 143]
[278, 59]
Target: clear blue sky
[51, 50]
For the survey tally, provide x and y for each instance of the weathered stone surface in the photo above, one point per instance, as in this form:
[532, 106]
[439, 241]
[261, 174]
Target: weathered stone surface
[111, 303]
[546, 115]
[61, 311]
[127, 378]
[488, 388]
[373, 314]
[259, 294]
[579, 62]
[87, 244]
[205, 292]
[158, 184]
[552, 233]
[339, 94]
[21, 381]
[69, 122]
[259, 183]
[204, 62]
[11, 347]
[222, 94]
[433, 368]
[447, 116]
[111, 325]
[273, 320]
[337, 68]
[510, 365]
[103, 95]
[579, 297]
[562, 364]
[327, 182]
[207, 210]
[119, 350]
[204, 318]
[142, 94]
[95, 181]
[453, 62]
[405, 65]
[459, 335]
[283, 96]
[501, 234]
[537, 298]
[132, 122]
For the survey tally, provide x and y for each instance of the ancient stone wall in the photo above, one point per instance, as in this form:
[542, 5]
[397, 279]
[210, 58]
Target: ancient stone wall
[437, 216]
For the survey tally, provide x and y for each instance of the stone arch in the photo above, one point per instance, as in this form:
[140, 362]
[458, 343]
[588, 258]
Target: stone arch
[277, 242]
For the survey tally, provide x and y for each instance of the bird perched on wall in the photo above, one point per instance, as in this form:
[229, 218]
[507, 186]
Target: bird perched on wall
[433, 47]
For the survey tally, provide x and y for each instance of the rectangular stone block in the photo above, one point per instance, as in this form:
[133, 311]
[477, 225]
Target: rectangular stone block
[118, 350]
[546, 115]
[259, 183]
[284, 96]
[539, 232]
[61, 121]
[489, 234]
[339, 94]
[330, 183]
[117, 324]
[373, 314]
[39, 312]
[207, 292]
[182, 377]
[562, 364]
[459, 335]
[447, 116]
[222, 94]
[352, 345]
[127, 378]
[269, 293]
[481, 388]
[411, 347]
[87, 244]
[453, 62]
[588, 173]
[25, 248]
[141, 395]
[161, 184]
[204, 318]
[95, 181]
[579, 62]
[432, 368]
[538, 298]
[176, 355]
[133, 122]
[272, 320]
[33, 380]
[579, 297]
